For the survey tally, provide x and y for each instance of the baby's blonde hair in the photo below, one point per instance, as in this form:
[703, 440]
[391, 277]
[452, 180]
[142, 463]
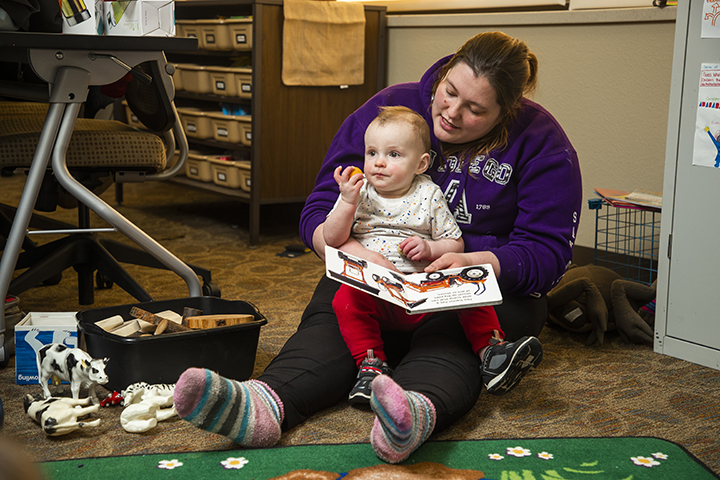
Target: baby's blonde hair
[398, 114]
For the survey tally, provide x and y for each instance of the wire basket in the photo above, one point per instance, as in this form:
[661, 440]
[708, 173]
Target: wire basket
[627, 240]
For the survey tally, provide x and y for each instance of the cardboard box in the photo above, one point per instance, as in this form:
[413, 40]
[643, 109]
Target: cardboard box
[140, 18]
[34, 331]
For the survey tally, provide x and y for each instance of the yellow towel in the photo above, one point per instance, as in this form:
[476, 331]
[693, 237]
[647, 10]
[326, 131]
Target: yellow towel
[323, 43]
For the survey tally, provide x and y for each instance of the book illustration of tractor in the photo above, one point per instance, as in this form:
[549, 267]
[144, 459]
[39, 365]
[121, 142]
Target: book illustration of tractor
[396, 285]
[395, 289]
[353, 273]
[474, 275]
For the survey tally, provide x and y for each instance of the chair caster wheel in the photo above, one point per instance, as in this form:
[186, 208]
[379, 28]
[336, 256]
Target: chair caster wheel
[5, 353]
[102, 282]
[54, 280]
[211, 289]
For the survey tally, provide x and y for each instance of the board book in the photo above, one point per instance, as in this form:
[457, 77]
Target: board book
[449, 289]
[635, 199]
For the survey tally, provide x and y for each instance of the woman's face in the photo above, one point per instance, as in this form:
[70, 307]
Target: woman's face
[465, 107]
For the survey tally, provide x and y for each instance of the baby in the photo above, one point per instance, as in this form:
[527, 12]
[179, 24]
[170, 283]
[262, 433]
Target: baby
[397, 217]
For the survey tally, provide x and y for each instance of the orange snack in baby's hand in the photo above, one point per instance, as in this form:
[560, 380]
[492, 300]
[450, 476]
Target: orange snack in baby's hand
[355, 171]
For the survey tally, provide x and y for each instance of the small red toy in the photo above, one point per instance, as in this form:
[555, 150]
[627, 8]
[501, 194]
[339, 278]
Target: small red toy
[112, 399]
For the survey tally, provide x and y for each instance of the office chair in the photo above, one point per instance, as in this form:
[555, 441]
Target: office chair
[96, 150]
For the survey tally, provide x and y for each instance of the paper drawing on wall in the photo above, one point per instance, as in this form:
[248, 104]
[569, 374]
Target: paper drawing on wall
[706, 151]
[711, 19]
[417, 292]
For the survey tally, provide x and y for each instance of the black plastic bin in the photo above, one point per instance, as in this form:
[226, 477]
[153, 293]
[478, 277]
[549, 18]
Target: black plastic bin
[230, 350]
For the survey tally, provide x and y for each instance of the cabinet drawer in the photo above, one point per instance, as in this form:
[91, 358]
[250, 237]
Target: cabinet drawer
[196, 123]
[232, 174]
[232, 128]
[218, 34]
[190, 29]
[231, 82]
[194, 78]
[198, 167]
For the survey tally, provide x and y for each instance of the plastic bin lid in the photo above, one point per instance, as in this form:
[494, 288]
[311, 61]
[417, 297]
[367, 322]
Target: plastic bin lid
[222, 21]
[222, 116]
[216, 159]
[196, 155]
[244, 70]
[190, 66]
[190, 110]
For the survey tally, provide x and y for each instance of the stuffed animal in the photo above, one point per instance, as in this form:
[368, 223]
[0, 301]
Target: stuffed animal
[596, 299]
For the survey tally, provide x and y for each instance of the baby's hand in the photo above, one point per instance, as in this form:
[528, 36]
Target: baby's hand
[415, 249]
[379, 259]
[349, 183]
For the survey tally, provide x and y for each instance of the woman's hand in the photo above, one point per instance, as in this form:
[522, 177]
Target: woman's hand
[456, 260]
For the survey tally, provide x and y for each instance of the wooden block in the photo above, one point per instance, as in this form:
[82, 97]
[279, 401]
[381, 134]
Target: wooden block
[172, 327]
[110, 323]
[146, 327]
[144, 315]
[162, 326]
[221, 320]
[190, 312]
[170, 315]
[126, 329]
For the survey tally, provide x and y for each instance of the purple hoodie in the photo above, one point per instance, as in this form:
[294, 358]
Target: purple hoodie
[522, 202]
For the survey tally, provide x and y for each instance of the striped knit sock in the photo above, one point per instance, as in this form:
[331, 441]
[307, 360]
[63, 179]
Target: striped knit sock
[403, 420]
[248, 413]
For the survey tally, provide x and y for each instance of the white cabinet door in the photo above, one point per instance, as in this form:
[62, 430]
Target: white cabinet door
[688, 302]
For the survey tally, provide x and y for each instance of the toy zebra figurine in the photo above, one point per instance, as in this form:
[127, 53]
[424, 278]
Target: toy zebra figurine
[134, 393]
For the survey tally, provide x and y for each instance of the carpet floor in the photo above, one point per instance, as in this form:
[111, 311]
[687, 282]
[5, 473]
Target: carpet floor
[610, 390]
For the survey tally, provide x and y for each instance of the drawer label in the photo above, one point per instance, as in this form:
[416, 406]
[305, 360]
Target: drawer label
[220, 85]
[191, 128]
[222, 132]
[248, 135]
[246, 87]
[209, 38]
[240, 38]
[221, 177]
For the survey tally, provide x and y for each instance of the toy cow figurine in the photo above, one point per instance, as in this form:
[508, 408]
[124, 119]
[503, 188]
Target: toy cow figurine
[59, 415]
[73, 365]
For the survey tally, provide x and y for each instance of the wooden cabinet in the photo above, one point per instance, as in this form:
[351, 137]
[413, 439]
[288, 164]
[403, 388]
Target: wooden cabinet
[292, 127]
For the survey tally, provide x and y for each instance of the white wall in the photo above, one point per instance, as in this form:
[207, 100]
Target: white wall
[604, 74]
